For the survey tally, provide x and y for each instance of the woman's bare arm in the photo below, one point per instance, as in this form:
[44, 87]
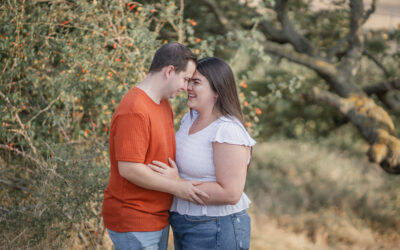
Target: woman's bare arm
[230, 169]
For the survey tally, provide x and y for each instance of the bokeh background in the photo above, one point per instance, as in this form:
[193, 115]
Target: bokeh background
[319, 86]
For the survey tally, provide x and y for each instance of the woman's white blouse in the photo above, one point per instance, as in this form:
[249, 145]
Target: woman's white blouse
[194, 158]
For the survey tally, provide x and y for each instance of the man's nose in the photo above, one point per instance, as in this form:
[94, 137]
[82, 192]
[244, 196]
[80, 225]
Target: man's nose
[185, 86]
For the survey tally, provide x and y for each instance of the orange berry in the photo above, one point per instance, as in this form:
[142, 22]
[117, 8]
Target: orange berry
[64, 23]
[197, 51]
[248, 124]
[115, 46]
[86, 131]
[198, 40]
[243, 85]
[106, 91]
[112, 101]
[106, 129]
[62, 60]
[10, 146]
[245, 104]
[26, 126]
[193, 22]
[152, 10]
[258, 111]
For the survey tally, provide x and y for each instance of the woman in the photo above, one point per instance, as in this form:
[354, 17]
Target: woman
[213, 147]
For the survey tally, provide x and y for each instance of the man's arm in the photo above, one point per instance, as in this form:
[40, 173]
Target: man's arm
[142, 176]
[230, 170]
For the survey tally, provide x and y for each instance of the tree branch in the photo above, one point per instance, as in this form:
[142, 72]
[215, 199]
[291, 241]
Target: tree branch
[24, 155]
[45, 109]
[223, 21]
[351, 62]
[370, 11]
[299, 42]
[383, 87]
[379, 64]
[21, 125]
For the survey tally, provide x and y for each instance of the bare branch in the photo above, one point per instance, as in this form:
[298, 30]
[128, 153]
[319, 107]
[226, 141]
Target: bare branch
[299, 42]
[24, 155]
[338, 47]
[379, 64]
[370, 11]
[45, 109]
[278, 36]
[225, 23]
[383, 87]
[323, 68]
[22, 126]
[356, 19]
[333, 100]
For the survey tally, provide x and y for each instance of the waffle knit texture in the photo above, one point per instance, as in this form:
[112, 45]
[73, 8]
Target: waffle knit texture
[141, 131]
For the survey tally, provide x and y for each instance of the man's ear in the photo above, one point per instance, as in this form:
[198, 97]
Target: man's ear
[168, 71]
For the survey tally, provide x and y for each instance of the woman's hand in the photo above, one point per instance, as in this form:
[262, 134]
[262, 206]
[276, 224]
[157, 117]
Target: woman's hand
[165, 170]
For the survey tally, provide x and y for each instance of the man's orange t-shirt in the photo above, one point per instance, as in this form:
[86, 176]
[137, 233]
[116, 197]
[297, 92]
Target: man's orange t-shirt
[141, 131]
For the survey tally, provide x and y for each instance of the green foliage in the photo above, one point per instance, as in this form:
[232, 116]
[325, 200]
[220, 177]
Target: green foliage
[64, 68]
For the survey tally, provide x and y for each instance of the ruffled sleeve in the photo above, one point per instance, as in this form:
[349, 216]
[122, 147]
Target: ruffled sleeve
[232, 132]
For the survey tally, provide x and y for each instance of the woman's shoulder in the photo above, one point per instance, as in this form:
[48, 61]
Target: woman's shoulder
[230, 130]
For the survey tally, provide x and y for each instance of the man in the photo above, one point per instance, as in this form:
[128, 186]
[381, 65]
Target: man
[137, 200]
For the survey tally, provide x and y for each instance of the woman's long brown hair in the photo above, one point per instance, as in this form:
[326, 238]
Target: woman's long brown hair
[220, 76]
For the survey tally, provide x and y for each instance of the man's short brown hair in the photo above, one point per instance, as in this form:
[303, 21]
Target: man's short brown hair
[175, 54]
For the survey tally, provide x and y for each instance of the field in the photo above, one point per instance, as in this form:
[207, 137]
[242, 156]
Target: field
[309, 195]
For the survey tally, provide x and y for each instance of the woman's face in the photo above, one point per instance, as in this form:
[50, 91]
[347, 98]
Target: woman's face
[200, 95]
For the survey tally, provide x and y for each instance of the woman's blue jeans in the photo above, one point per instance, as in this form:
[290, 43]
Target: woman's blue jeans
[206, 232]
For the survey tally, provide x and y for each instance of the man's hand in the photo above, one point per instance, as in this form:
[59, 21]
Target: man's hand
[165, 170]
[187, 190]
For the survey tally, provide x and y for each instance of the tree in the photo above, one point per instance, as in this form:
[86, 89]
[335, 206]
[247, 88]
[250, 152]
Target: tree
[288, 29]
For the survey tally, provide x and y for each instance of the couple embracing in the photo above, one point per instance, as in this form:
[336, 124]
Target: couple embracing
[192, 180]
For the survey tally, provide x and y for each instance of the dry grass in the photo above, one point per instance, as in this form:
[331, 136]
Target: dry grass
[310, 196]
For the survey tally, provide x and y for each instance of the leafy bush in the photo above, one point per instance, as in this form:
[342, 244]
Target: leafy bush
[64, 67]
